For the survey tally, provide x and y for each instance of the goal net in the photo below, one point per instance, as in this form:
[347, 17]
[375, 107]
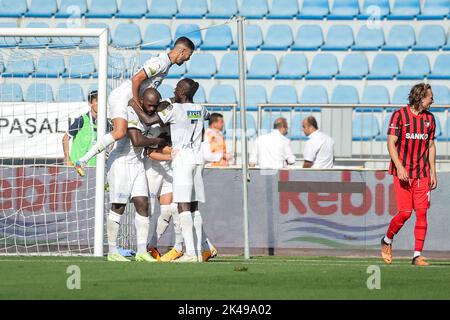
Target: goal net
[46, 76]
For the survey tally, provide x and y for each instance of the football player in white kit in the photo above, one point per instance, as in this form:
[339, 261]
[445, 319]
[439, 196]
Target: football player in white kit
[150, 75]
[186, 127]
[126, 178]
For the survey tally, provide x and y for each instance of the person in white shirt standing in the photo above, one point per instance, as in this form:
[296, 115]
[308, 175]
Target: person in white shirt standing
[319, 149]
[186, 121]
[273, 150]
[150, 75]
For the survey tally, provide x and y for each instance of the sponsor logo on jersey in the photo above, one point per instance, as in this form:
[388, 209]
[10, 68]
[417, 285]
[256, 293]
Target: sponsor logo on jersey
[194, 115]
[417, 136]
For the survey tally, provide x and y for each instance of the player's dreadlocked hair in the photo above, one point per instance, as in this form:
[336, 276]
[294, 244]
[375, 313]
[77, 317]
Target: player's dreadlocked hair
[417, 93]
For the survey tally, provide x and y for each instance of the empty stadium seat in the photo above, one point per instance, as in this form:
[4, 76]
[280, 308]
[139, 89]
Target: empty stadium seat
[441, 68]
[157, 37]
[375, 8]
[401, 37]
[447, 45]
[132, 9]
[32, 42]
[256, 94]
[192, 9]
[222, 94]
[384, 67]
[365, 127]
[162, 9]
[2, 66]
[116, 66]
[92, 42]
[218, 38]
[71, 8]
[222, 9]
[415, 67]
[445, 134]
[431, 37]
[283, 94]
[176, 71]
[19, 64]
[324, 66]
[296, 128]
[434, 9]
[166, 91]
[343, 94]
[202, 66]
[250, 124]
[200, 96]
[314, 9]
[229, 67]
[308, 37]
[80, 66]
[292, 66]
[315, 94]
[401, 95]
[369, 39]
[405, 9]
[8, 42]
[354, 66]
[41, 9]
[70, 93]
[127, 35]
[339, 37]
[263, 66]
[344, 9]
[441, 95]
[278, 37]
[283, 9]
[191, 31]
[102, 9]
[253, 9]
[50, 66]
[12, 9]
[374, 95]
[384, 127]
[64, 42]
[39, 92]
[10, 92]
[253, 37]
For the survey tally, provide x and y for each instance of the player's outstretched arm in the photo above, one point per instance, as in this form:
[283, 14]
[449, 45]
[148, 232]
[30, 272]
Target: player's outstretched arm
[144, 117]
[139, 140]
[158, 155]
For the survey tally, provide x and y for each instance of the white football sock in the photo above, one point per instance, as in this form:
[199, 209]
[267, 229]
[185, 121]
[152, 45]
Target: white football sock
[142, 225]
[417, 253]
[112, 229]
[177, 228]
[198, 227]
[101, 145]
[163, 220]
[187, 224]
[387, 240]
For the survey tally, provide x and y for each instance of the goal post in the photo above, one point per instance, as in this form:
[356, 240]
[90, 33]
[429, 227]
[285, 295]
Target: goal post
[102, 69]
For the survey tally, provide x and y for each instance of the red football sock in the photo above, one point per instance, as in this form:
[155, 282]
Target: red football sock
[397, 223]
[420, 230]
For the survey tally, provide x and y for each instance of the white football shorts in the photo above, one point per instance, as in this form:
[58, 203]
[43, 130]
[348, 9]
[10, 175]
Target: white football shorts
[126, 180]
[159, 180]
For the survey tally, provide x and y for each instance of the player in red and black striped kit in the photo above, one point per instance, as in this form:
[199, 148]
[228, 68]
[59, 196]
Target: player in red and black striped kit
[413, 164]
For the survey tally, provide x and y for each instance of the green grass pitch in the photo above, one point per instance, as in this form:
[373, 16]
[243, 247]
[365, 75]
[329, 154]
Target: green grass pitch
[222, 278]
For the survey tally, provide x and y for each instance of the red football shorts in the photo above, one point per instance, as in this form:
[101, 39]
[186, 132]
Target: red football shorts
[412, 194]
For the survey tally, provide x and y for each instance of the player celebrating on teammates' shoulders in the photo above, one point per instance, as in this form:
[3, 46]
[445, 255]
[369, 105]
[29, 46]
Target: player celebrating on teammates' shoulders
[413, 164]
[186, 127]
[150, 75]
[126, 178]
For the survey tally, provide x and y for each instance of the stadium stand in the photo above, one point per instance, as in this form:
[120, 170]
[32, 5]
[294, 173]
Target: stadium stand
[222, 94]
[222, 9]
[202, 66]
[71, 8]
[50, 66]
[283, 9]
[263, 66]
[157, 37]
[13, 9]
[309, 37]
[39, 92]
[278, 37]
[41, 9]
[132, 9]
[292, 66]
[344, 10]
[70, 93]
[102, 9]
[10, 92]
[415, 67]
[217, 38]
[192, 9]
[354, 67]
[162, 9]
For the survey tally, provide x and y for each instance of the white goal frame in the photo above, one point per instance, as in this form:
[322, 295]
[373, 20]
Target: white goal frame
[102, 35]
